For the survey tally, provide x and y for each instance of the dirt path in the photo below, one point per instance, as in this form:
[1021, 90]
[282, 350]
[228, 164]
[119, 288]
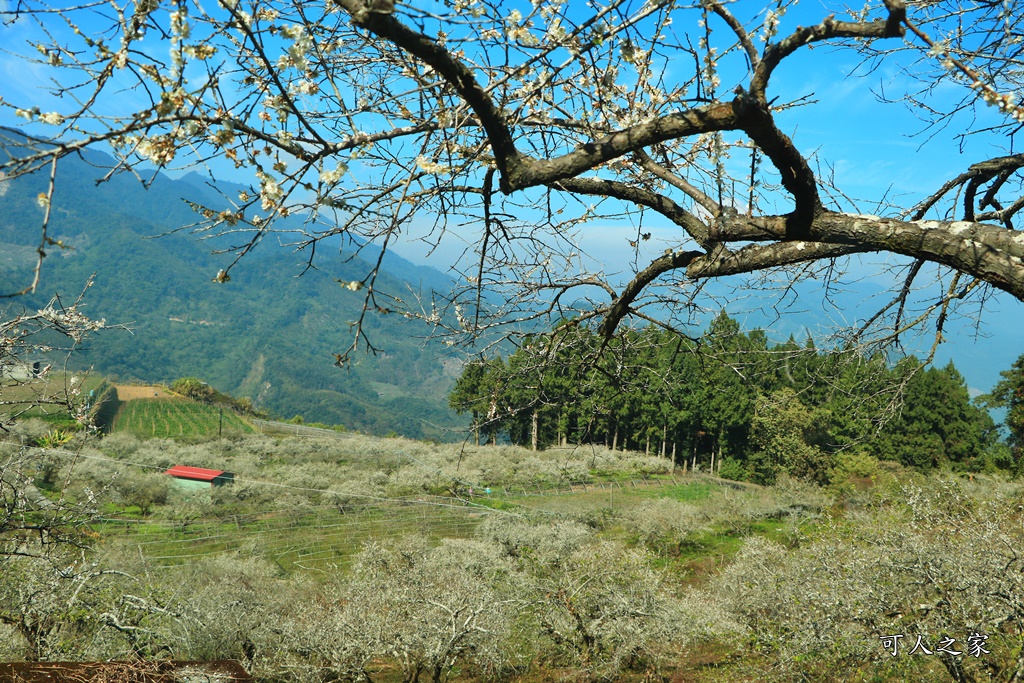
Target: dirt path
[126, 392]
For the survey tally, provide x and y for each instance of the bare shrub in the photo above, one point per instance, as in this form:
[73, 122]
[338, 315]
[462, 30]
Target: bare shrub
[604, 610]
[429, 609]
[662, 524]
[142, 489]
[548, 544]
[121, 445]
[314, 645]
[416, 479]
[52, 605]
[223, 607]
[232, 606]
[944, 564]
[28, 431]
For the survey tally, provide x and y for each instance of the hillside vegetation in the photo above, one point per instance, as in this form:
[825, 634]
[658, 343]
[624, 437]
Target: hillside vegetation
[732, 402]
[267, 334]
[47, 398]
[359, 559]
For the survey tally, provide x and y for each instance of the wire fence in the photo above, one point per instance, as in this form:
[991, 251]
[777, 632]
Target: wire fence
[317, 535]
[272, 427]
[327, 538]
[324, 538]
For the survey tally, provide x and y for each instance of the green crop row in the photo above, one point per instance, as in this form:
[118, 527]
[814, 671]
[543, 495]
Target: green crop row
[176, 418]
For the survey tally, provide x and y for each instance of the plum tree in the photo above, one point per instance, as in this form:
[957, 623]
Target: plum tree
[532, 123]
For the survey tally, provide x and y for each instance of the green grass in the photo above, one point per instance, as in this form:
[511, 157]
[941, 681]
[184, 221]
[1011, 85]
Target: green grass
[326, 538]
[300, 533]
[685, 493]
[28, 398]
[177, 418]
[693, 558]
[618, 493]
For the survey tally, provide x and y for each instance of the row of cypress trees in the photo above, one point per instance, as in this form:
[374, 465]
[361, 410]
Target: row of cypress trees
[727, 400]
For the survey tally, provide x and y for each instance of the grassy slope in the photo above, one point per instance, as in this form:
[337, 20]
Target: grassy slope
[410, 491]
[33, 398]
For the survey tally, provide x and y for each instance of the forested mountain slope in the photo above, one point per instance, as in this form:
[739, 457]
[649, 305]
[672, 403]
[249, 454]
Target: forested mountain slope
[267, 333]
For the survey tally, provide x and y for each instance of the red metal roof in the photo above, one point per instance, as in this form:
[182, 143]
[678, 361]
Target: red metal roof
[197, 473]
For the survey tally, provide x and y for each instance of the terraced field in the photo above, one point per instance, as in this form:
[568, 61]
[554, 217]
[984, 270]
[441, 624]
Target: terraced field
[177, 417]
[327, 537]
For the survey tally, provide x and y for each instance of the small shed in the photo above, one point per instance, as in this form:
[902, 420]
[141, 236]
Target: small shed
[200, 477]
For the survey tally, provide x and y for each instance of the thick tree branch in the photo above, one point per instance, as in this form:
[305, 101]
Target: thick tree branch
[984, 171]
[757, 257]
[797, 176]
[741, 34]
[717, 263]
[828, 29]
[693, 226]
[1006, 215]
[518, 171]
[457, 74]
[677, 182]
[759, 124]
[663, 264]
[990, 253]
[706, 119]
[496, 112]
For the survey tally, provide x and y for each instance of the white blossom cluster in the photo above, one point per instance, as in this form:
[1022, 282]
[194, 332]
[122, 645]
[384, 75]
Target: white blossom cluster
[160, 150]
[431, 166]
[518, 30]
[330, 177]
[295, 57]
[202, 51]
[49, 118]
[772, 19]
[70, 321]
[271, 192]
[1005, 102]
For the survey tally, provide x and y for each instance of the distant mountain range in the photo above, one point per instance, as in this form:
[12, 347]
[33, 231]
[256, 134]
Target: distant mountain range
[271, 335]
[267, 333]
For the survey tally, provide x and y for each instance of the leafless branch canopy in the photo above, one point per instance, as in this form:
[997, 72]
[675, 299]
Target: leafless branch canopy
[530, 124]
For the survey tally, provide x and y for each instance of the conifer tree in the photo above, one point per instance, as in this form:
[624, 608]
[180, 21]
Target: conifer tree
[1009, 394]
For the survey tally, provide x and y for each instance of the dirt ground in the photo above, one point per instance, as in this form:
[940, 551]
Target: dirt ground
[127, 392]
